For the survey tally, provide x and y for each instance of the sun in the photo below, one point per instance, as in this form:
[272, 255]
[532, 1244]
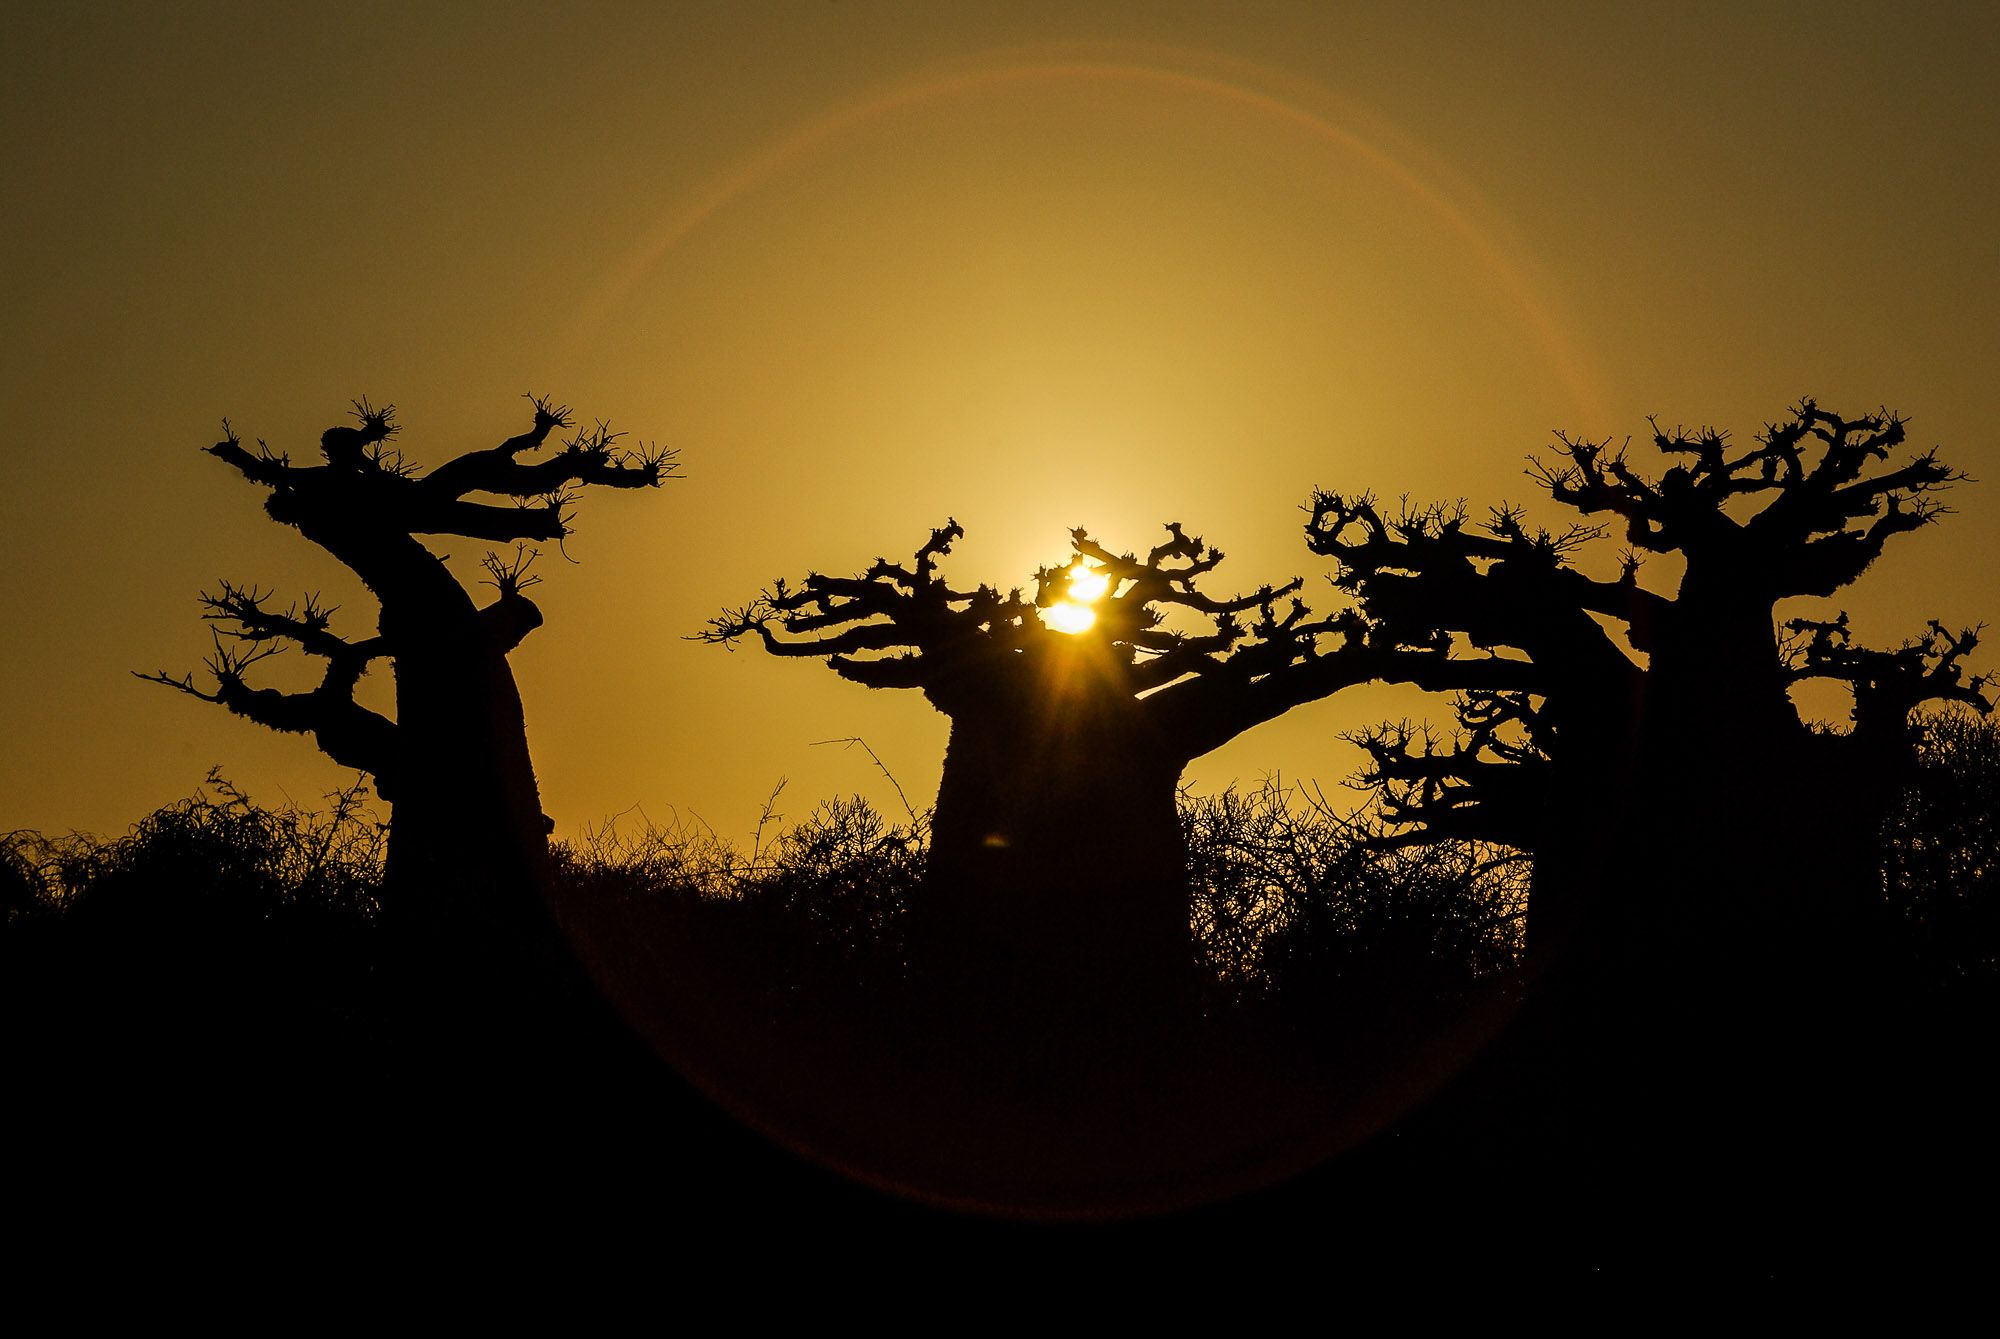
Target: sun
[1087, 585]
[1070, 617]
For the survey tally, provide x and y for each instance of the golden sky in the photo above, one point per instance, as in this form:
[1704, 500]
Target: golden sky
[869, 265]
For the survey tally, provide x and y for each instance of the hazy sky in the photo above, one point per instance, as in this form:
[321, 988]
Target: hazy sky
[869, 265]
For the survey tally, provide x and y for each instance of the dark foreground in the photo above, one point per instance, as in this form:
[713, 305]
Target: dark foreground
[206, 1065]
[581, 1144]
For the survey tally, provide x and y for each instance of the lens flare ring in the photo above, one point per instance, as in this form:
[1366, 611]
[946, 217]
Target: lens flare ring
[1239, 85]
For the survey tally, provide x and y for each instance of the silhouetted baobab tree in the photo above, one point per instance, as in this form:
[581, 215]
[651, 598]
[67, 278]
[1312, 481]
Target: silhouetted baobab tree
[1057, 862]
[1643, 743]
[467, 837]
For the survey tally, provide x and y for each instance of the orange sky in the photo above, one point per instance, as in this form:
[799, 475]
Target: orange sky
[871, 265]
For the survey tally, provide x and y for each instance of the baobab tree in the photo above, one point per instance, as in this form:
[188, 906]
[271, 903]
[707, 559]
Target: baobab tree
[467, 838]
[1057, 867]
[1643, 743]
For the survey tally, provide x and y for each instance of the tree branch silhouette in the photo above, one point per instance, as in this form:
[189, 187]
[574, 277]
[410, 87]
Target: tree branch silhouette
[466, 824]
[1055, 838]
[1595, 714]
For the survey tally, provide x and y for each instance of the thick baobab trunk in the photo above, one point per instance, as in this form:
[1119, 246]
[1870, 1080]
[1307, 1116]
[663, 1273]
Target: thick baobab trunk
[467, 839]
[468, 864]
[1057, 898]
[496, 991]
[479, 957]
[1759, 840]
[1737, 868]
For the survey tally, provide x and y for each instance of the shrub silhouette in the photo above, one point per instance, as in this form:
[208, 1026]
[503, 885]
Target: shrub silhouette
[1290, 901]
[1310, 909]
[216, 938]
[802, 929]
[1941, 869]
[225, 964]
[780, 981]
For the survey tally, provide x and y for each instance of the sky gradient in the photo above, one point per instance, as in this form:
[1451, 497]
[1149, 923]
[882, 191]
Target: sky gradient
[868, 265]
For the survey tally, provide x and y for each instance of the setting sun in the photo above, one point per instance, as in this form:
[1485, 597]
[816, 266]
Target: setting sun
[1087, 585]
[1071, 617]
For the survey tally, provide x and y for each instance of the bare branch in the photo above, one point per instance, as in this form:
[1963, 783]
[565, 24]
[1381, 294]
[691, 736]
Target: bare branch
[347, 732]
[1478, 786]
[366, 505]
[510, 576]
[1428, 575]
[349, 448]
[307, 623]
[592, 456]
[902, 625]
[1887, 685]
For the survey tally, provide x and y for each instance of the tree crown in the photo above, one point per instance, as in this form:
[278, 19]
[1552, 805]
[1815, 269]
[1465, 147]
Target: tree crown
[365, 504]
[1566, 661]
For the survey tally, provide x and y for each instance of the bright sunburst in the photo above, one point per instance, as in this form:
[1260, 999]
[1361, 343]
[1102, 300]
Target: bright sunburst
[1087, 585]
[1070, 617]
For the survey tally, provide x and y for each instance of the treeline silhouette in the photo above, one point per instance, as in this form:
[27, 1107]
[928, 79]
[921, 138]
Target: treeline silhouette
[1628, 918]
[224, 954]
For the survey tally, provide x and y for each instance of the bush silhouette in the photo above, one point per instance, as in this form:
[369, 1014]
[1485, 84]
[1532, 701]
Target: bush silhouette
[1307, 909]
[225, 963]
[214, 940]
[1941, 872]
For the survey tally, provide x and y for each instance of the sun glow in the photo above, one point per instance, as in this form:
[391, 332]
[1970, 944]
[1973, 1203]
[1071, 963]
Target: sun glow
[1070, 617]
[1087, 585]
